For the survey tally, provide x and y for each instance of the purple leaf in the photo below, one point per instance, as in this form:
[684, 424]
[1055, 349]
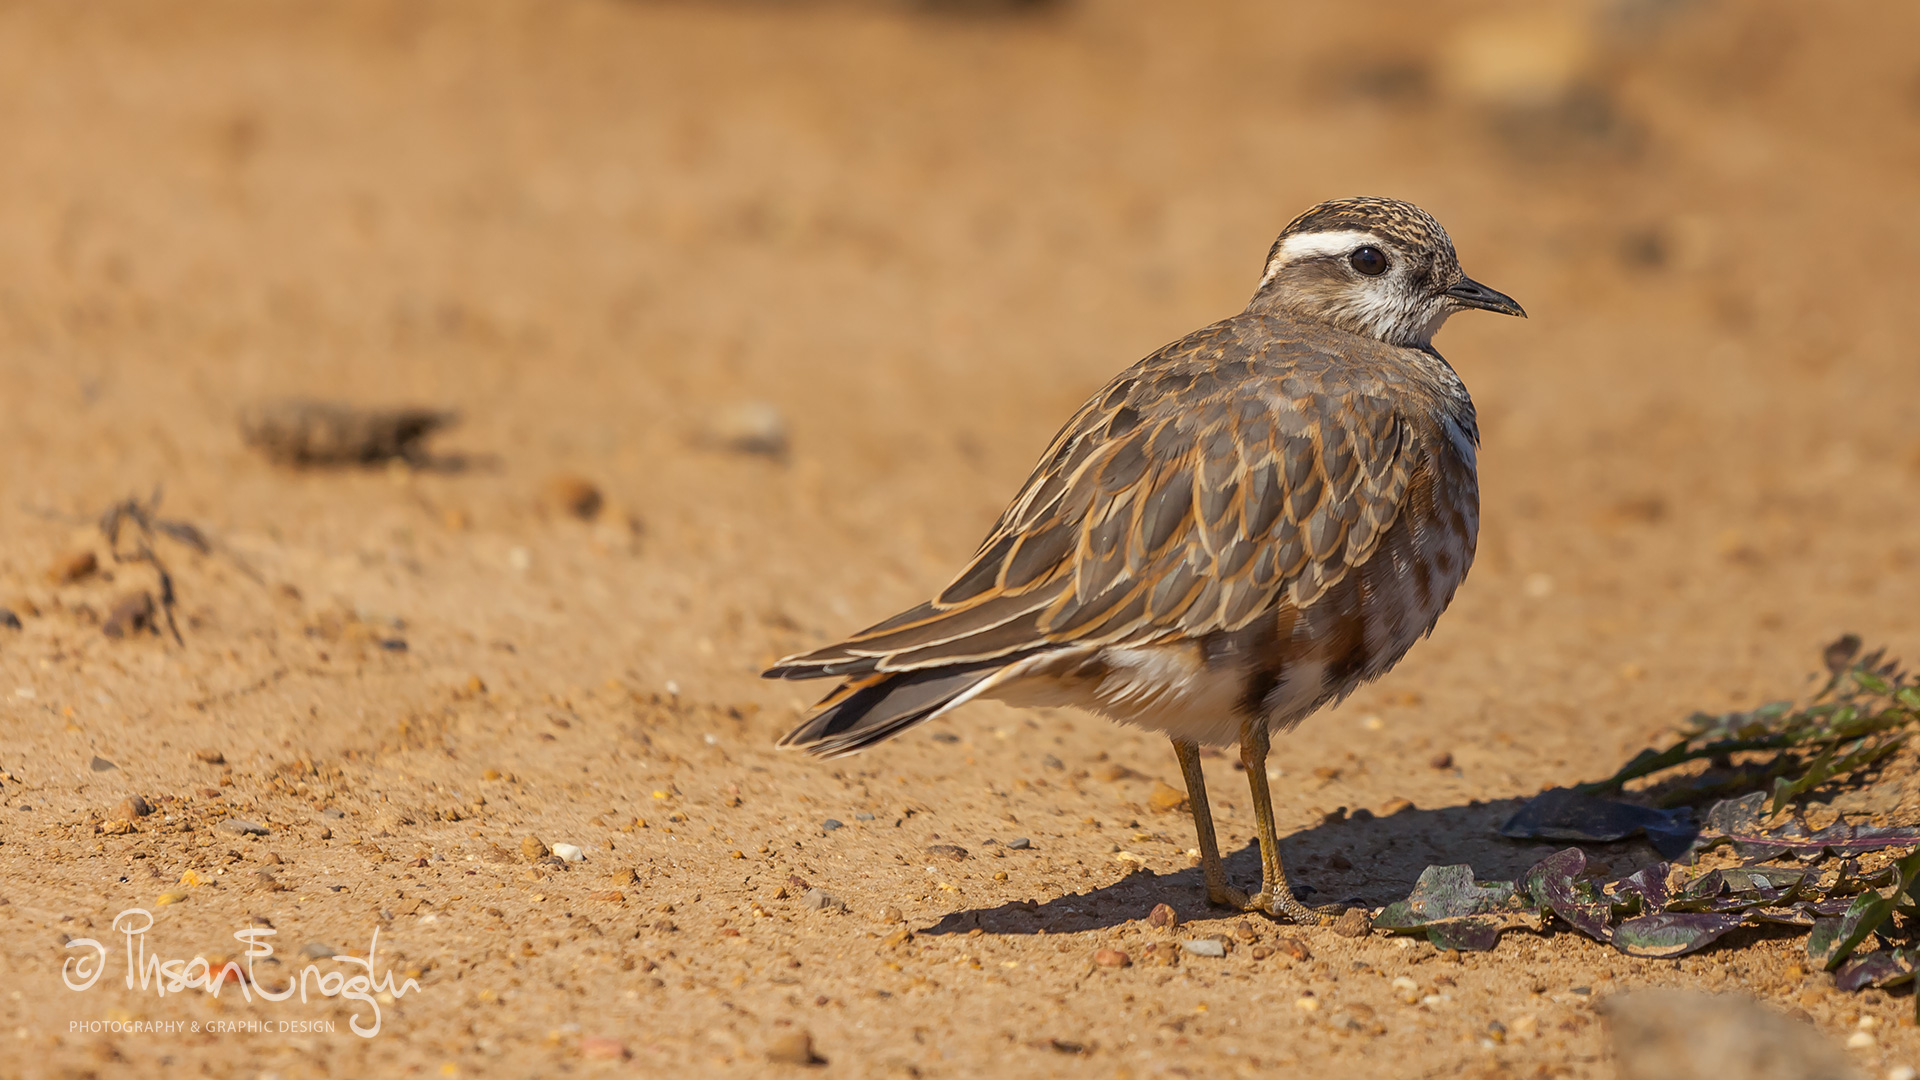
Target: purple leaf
[1665, 935]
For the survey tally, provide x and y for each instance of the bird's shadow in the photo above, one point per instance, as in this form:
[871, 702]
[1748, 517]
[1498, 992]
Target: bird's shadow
[1361, 860]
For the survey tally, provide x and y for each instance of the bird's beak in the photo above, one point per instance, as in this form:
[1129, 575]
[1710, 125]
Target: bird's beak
[1470, 293]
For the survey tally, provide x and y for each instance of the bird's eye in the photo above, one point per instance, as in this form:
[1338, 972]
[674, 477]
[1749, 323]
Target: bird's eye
[1369, 260]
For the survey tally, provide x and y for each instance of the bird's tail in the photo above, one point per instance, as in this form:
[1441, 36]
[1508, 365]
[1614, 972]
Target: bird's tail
[869, 709]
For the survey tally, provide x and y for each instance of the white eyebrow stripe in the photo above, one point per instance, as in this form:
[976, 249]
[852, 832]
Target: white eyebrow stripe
[1314, 244]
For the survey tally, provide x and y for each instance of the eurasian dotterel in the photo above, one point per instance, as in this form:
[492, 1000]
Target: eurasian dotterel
[1234, 532]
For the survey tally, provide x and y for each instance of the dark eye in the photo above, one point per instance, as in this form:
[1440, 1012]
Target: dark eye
[1369, 260]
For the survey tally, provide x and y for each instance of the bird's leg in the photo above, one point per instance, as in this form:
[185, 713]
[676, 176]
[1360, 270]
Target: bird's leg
[1218, 891]
[1276, 896]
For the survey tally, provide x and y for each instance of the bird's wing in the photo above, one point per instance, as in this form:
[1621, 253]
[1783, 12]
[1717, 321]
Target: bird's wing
[1195, 492]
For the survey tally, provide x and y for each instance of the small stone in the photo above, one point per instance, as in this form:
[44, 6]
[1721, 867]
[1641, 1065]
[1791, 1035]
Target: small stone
[1860, 1040]
[569, 853]
[573, 495]
[794, 1048]
[1112, 958]
[1163, 917]
[601, 1048]
[134, 808]
[131, 614]
[1160, 954]
[1205, 947]
[1442, 761]
[243, 827]
[532, 848]
[8, 619]
[1051, 762]
[898, 937]
[822, 900]
[951, 851]
[210, 756]
[333, 812]
[891, 914]
[1019, 843]
[497, 854]
[830, 824]
[1115, 773]
[1293, 947]
[316, 950]
[749, 427]
[1395, 806]
[166, 898]
[73, 566]
[270, 859]
[1261, 952]
[1165, 798]
[100, 764]
[863, 816]
[611, 896]
[264, 879]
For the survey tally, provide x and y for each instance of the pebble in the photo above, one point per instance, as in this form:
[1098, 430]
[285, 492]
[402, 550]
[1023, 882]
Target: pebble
[100, 764]
[573, 495]
[317, 950]
[134, 807]
[1353, 923]
[131, 614]
[951, 851]
[569, 853]
[210, 756]
[1204, 947]
[1442, 761]
[1860, 1040]
[243, 827]
[831, 824]
[1052, 762]
[822, 900]
[794, 1048]
[333, 812]
[1019, 843]
[1395, 806]
[891, 914]
[750, 427]
[1112, 958]
[1293, 947]
[863, 816]
[265, 880]
[601, 1048]
[166, 898]
[1163, 917]
[1165, 798]
[1902, 1072]
[8, 619]
[73, 566]
[532, 848]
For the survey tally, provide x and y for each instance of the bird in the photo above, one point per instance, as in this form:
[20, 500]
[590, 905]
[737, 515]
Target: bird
[1233, 533]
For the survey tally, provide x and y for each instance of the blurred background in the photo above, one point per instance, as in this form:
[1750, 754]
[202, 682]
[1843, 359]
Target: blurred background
[803, 289]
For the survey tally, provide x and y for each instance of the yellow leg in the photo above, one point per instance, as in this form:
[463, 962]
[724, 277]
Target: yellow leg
[1276, 896]
[1218, 891]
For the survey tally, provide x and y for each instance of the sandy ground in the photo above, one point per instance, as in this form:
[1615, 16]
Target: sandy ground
[600, 230]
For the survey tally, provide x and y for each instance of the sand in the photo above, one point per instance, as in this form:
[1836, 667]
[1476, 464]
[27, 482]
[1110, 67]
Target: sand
[890, 248]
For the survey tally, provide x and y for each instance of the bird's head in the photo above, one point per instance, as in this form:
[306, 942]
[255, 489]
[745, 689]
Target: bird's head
[1378, 267]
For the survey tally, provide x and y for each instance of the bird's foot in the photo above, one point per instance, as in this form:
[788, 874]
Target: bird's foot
[1285, 906]
[1227, 896]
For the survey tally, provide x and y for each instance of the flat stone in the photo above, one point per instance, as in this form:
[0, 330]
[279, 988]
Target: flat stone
[830, 824]
[822, 900]
[1204, 947]
[1019, 843]
[100, 764]
[243, 827]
